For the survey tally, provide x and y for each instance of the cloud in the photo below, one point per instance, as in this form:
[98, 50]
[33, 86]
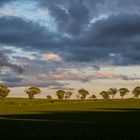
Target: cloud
[25, 34]
[108, 75]
[10, 12]
[2, 2]
[116, 32]
[115, 35]
[118, 35]
[51, 57]
[11, 78]
[62, 75]
[87, 34]
[68, 12]
[14, 80]
[4, 63]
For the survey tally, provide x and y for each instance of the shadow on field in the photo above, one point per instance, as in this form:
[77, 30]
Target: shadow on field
[72, 125]
[120, 109]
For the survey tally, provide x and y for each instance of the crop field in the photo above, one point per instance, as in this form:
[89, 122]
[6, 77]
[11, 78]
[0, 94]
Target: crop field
[53, 119]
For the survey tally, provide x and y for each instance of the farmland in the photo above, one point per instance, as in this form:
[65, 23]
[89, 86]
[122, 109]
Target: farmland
[40, 118]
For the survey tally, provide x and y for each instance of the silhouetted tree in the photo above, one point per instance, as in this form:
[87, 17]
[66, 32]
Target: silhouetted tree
[4, 91]
[31, 91]
[83, 93]
[60, 94]
[49, 97]
[105, 94]
[93, 97]
[136, 92]
[123, 91]
[112, 92]
[68, 95]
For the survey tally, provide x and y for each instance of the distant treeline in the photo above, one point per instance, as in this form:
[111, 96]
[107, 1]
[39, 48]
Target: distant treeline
[82, 93]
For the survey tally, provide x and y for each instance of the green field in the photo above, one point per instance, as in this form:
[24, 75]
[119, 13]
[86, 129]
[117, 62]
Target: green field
[43, 119]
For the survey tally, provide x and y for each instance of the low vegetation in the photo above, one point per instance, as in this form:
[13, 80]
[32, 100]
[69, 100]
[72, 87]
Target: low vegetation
[70, 119]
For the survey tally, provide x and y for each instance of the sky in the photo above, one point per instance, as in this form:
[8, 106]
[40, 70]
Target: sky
[69, 44]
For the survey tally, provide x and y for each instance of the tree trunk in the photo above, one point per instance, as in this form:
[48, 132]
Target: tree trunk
[31, 97]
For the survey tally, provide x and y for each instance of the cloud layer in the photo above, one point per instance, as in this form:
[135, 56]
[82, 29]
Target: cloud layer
[4, 63]
[82, 34]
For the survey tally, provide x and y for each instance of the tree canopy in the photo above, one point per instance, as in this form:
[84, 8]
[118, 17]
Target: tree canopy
[4, 91]
[136, 92]
[60, 94]
[105, 94]
[83, 93]
[31, 91]
[112, 92]
[123, 91]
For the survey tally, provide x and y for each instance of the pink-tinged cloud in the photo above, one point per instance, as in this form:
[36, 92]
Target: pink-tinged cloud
[61, 75]
[108, 75]
[81, 76]
[51, 57]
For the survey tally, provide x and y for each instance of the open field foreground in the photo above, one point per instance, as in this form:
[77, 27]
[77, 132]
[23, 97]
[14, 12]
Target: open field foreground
[42, 119]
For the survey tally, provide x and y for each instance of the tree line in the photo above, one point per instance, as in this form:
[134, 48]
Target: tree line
[82, 93]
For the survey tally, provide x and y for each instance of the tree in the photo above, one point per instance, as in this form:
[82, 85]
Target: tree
[68, 95]
[105, 94]
[83, 93]
[123, 92]
[136, 92]
[93, 97]
[31, 91]
[112, 92]
[49, 97]
[4, 91]
[60, 94]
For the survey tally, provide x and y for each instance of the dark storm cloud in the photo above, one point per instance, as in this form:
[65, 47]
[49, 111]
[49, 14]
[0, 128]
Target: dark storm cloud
[118, 34]
[116, 27]
[114, 39]
[71, 17]
[9, 78]
[89, 33]
[15, 31]
[5, 63]
[2, 2]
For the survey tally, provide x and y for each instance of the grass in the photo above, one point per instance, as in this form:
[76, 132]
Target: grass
[42, 119]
